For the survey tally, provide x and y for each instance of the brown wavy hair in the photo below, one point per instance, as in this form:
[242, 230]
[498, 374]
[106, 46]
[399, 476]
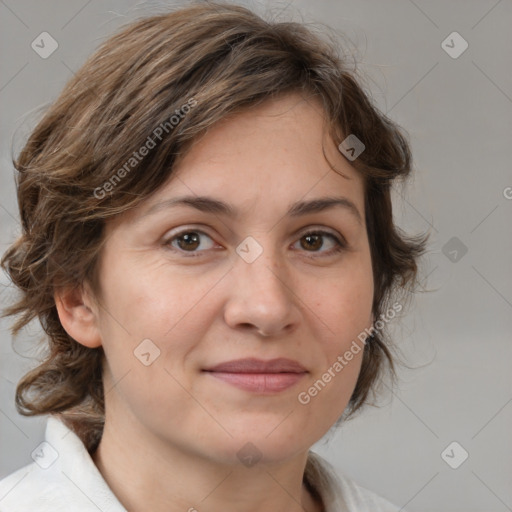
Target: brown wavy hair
[227, 59]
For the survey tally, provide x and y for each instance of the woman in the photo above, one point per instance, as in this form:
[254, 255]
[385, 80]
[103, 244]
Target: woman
[208, 243]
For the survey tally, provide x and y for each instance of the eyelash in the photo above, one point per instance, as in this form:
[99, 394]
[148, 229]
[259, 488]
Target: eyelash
[339, 247]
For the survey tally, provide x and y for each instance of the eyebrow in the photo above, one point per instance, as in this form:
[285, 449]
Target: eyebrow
[218, 207]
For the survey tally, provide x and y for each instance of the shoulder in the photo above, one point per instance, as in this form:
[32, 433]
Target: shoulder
[340, 493]
[62, 477]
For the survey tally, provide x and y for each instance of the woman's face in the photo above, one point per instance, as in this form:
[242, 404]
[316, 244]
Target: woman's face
[186, 287]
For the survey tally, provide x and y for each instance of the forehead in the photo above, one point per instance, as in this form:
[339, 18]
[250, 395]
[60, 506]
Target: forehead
[264, 159]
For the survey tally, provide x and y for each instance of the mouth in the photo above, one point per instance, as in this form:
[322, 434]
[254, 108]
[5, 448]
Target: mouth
[258, 376]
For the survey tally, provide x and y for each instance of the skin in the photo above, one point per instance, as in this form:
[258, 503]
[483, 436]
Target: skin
[172, 431]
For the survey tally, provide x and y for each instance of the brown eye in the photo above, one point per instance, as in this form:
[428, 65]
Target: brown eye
[314, 241]
[190, 241]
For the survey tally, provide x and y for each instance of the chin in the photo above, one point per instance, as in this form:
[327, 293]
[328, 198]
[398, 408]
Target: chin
[264, 442]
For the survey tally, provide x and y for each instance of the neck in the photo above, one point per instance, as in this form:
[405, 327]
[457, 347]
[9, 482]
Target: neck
[163, 477]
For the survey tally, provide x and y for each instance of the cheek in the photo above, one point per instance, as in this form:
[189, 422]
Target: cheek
[342, 311]
[171, 311]
[327, 394]
[344, 305]
[152, 299]
[149, 376]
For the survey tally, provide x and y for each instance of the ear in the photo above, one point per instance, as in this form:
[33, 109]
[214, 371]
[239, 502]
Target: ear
[78, 315]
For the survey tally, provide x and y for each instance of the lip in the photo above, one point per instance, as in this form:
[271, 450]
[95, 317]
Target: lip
[253, 365]
[259, 376]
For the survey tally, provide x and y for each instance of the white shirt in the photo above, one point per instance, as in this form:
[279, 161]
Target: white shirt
[63, 477]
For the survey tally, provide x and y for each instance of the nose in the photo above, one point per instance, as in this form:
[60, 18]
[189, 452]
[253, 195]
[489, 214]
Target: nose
[262, 298]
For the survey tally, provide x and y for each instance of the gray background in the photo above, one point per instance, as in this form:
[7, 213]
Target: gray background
[458, 114]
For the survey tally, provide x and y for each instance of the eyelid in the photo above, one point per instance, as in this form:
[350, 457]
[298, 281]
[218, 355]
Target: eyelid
[174, 234]
[339, 240]
[321, 229]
